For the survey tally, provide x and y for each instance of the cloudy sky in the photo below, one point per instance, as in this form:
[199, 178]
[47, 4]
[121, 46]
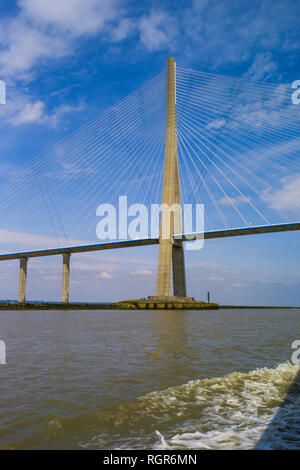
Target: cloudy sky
[64, 63]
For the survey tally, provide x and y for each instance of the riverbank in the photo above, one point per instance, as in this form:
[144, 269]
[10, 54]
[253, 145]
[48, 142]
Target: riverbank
[132, 305]
[254, 306]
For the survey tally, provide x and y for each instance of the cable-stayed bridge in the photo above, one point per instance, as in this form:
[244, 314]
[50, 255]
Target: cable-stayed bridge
[185, 137]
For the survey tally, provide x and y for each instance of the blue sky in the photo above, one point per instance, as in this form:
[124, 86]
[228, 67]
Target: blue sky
[65, 62]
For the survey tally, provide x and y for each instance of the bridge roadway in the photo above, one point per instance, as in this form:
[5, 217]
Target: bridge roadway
[67, 251]
[153, 241]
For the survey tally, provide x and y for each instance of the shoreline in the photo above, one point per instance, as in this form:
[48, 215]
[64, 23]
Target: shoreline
[256, 306]
[130, 306]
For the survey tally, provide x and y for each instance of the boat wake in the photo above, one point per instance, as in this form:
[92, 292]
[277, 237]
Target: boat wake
[258, 409]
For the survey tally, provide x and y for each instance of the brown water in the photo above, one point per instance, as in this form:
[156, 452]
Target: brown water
[148, 379]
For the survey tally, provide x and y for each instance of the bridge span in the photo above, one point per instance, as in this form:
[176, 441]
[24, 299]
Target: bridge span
[221, 154]
[67, 251]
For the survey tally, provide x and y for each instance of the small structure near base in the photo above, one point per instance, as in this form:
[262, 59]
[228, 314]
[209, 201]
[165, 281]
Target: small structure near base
[166, 303]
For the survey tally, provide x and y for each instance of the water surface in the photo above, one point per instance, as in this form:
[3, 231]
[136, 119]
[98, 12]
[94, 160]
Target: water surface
[148, 379]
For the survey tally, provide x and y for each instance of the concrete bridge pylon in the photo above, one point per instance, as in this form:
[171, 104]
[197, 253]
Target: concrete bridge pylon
[171, 253]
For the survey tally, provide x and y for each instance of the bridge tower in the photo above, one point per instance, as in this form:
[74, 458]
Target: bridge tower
[171, 253]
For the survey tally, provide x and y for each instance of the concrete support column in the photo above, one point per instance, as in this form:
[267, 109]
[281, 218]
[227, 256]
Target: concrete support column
[66, 278]
[178, 264]
[169, 255]
[163, 288]
[179, 282]
[22, 280]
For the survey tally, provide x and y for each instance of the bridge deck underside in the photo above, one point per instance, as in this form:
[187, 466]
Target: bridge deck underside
[153, 241]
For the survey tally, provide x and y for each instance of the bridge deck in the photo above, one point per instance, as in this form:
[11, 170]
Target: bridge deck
[154, 241]
[236, 232]
[80, 249]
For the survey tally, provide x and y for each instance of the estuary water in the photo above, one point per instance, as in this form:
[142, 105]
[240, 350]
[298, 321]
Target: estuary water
[150, 379]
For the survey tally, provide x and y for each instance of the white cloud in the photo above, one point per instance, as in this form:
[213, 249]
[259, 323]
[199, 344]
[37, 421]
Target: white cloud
[216, 124]
[287, 197]
[26, 239]
[75, 16]
[228, 201]
[157, 30]
[32, 112]
[49, 29]
[141, 272]
[123, 29]
[89, 266]
[272, 151]
[263, 67]
[46, 29]
[22, 109]
[220, 33]
[105, 275]
[268, 109]
[24, 45]
[54, 118]
[51, 277]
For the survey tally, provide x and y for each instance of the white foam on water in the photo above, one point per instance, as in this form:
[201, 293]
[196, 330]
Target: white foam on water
[257, 409]
[242, 411]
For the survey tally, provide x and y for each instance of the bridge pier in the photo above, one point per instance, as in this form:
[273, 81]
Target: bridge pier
[171, 257]
[66, 278]
[179, 282]
[178, 264]
[22, 280]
